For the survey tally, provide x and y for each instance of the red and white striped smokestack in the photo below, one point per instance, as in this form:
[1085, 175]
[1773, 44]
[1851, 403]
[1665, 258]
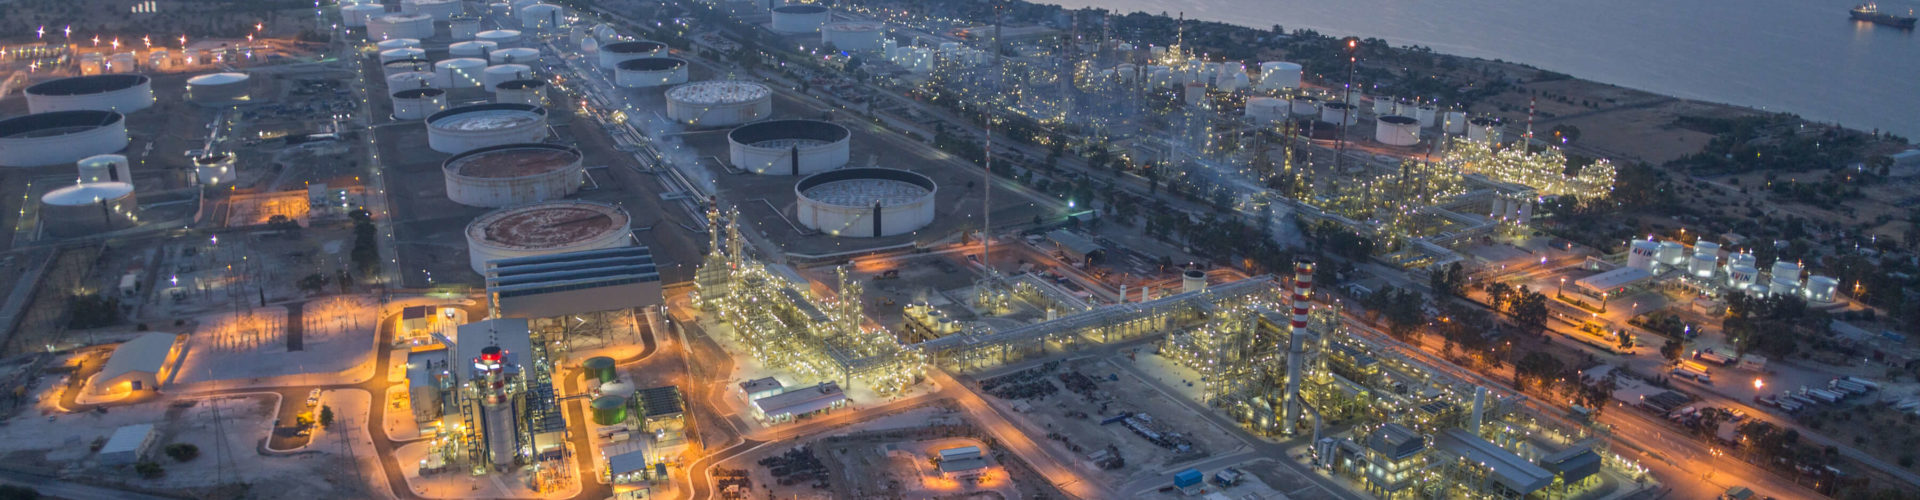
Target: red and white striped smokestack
[1302, 293]
[1296, 345]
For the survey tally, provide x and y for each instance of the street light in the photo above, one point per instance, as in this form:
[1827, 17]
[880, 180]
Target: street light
[1758, 384]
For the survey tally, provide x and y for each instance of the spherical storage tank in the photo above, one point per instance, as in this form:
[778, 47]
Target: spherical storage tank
[458, 73]
[1640, 254]
[463, 27]
[865, 202]
[391, 55]
[853, 36]
[1338, 113]
[467, 128]
[529, 91]
[471, 48]
[612, 54]
[804, 18]
[393, 26]
[521, 55]
[91, 208]
[1396, 130]
[215, 168]
[788, 147]
[60, 137]
[502, 73]
[409, 80]
[125, 93]
[541, 16]
[105, 168]
[513, 174]
[648, 72]
[357, 15]
[397, 43]
[545, 228]
[500, 38]
[418, 103]
[609, 410]
[719, 103]
[1276, 75]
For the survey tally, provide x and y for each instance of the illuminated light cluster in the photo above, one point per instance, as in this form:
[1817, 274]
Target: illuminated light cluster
[1543, 171]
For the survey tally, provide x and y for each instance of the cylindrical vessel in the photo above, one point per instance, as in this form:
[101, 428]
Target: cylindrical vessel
[471, 48]
[788, 147]
[612, 54]
[1456, 122]
[542, 16]
[1428, 116]
[609, 410]
[546, 228]
[391, 55]
[1821, 289]
[1306, 106]
[410, 80]
[87, 209]
[1483, 129]
[853, 36]
[500, 38]
[125, 93]
[219, 88]
[1707, 248]
[1338, 113]
[530, 91]
[1265, 110]
[865, 202]
[467, 128]
[1702, 265]
[1640, 254]
[439, 10]
[648, 72]
[719, 103]
[458, 73]
[1742, 259]
[1783, 286]
[518, 55]
[513, 174]
[392, 26]
[1783, 269]
[1671, 253]
[801, 18]
[502, 73]
[105, 168]
[1742, 277]
[463, 27]
[418, 103]
[600, 369]
[1396, 130]
[60, 137]
[1383, 105]
[355, 16]
[407, 66]
[397, 43]
[1193, 280]
[1276, 75]
[216, 168]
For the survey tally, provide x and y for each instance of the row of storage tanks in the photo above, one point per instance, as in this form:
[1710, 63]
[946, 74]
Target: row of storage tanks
[417, 18]
[1741, 270]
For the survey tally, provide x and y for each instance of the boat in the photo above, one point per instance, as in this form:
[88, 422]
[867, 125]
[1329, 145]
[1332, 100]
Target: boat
[1870, 12]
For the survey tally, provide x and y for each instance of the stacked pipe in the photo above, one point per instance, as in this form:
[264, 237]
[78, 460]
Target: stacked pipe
[1296, 348]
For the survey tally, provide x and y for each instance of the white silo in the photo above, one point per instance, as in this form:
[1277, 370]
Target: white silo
[542, 16]
[409, 80]
[1742, 260]
[1276, 75]
[1428, 116]
[500, 38]
[520, 55]
[1671, 253]
[355, 16]
[1786, 269]
[1382, 105]
[1264, 110]
[1784, 286]
[1742, 278]
[1707, 248]
[1456, 122]
[1821, 289]
[1702, 265]
[1306, 106]
[463, 27]
[105, 168]
[1338, 113]
[1640, 254]
[216, 168]
[1483, 129]
[419, 103]
[456, 73]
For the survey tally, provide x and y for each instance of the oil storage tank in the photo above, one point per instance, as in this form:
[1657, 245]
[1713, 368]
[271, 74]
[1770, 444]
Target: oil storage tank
[397, 43]
[87, 209]
[439, 10]
[1455, 123]
[609, 410]
[418, 103]
[458, 73]
[470, 48]
[60, 137]
[500, 38]
[517, 55]
[105, 168]
[612, 54]
[410, 80]
[542, 16]
[513, 174]
[788, 147]
[800, 18]
[1483, 129]
[215, 168]
[357, 15]
[463, 27]
[546, 228]
[1276, 75]
[1263, 110]
[600, 369]
[391, 68]
[125, 93]
[865, 202]
[502, 73]
[1306, 106]
[719, 103]
[853, 36]
[529, 91]
[392, 26]
[467, 128]
[391, 55]
[1396, 130]
[1338, 113]
[649, 72]
[219, 89]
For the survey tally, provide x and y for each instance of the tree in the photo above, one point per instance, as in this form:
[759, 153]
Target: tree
[1448, 281]
[1537, 368]
[1672, 349]
[148, 469]
[1498, 294]
[183, 452]
[1529, 312]
[326, 416]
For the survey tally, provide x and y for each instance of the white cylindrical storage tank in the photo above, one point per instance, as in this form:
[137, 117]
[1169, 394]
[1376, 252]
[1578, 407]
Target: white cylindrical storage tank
[87, 209]
[60, 137]
[105, 168]
[1743, 259]
[1456, 122]
[1640, 254]
[407, 66]
[397, 43]
[1782, 269]
[500, 38]
[542, 16]
[471, 48]
[513, 174]
[1702, 265]
[418, 103]
[467, 128]
[719, 103]
[393, 26]
[502, 73]
[519, 55]
[546, 228]
[1429, 116]
[650, 72]
[803, 18]
[216, 168]
[499, 8]
[1306, 106]
[1821, 289]
[529, 91]
[1671, 253]
[1193, 280]
[123, 93]
[865, 202]
[1264, 110]
[1483, 129]
[391, 55]
[124, 62]
[1383, 105]
[1783, 286]
[410, 80]
[355, 16]
[1707, 248]
[1276, 75]
[1338, 113]
[612, 54]
[458, 73]
[440, 10]
[1196, 93]
[219, 88]
[853, 36]
[1742, 277]
[788, 147]
[463, 27]
[1396, 130]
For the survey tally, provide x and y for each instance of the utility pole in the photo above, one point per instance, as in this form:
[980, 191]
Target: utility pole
[1346, 97]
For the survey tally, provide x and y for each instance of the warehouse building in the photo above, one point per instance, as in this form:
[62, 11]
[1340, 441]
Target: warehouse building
[800, 402]
[136, 365]
[129, 444]
[546, 286]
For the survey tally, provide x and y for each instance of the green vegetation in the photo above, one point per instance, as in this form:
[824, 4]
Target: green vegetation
[183, 452]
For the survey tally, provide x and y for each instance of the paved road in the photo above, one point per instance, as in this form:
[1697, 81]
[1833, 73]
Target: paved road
[63, 489]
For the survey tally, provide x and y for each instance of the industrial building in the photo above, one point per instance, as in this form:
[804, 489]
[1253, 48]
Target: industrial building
[961, 463]
[799, 402]
[571, 283]
[129, 444]
[136, 365]
[508, 416]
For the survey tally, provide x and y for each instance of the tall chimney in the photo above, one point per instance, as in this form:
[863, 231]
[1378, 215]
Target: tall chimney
[1479, 408]
[1296, 349]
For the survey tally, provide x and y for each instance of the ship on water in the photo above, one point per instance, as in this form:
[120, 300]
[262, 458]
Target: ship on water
[1870, 12]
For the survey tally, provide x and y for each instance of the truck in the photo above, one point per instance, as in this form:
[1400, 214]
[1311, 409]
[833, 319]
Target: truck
[1850, 387]
[1870, 385]
[1825, 396]
[1709, 356]
[1694, 371]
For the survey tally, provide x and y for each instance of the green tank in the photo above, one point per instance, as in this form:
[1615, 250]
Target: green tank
[599, 368]
[609, 410]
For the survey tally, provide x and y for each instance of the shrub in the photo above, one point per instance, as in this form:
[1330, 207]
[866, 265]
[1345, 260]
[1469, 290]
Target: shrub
[183, 452]
[148, 469]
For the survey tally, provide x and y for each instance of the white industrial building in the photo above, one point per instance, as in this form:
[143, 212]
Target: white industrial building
[136, 365]
[129, 444]
[800, 402]
[571, 283]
